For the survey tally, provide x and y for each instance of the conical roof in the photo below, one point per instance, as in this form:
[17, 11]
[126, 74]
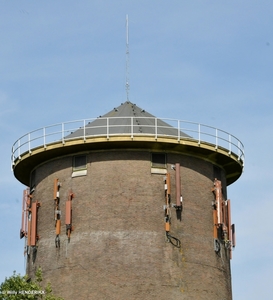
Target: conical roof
[125, 119]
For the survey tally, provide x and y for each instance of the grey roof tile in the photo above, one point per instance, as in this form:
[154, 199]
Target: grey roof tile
[121, 119]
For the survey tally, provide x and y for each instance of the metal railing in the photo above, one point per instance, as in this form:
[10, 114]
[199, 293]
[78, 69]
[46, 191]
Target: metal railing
[127, 126]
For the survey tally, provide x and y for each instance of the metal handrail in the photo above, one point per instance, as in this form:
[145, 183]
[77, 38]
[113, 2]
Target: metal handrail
[181, 130]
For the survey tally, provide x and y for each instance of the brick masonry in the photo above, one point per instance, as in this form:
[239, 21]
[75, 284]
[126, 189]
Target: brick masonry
[118, 248]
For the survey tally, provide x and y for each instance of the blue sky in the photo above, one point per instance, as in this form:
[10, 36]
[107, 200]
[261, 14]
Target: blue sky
[204, 61]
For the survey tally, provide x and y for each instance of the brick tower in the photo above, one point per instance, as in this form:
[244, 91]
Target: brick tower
[129, 206]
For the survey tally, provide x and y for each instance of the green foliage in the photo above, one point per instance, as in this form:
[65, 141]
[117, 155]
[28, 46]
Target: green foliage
[19, 287]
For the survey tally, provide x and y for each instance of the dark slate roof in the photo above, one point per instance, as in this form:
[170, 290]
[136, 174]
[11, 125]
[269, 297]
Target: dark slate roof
[120, 121]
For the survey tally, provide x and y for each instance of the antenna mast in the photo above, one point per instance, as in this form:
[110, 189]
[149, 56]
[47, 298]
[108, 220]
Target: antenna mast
[127, 85]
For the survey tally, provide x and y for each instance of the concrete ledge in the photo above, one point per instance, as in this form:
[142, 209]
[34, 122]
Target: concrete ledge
[220, 156]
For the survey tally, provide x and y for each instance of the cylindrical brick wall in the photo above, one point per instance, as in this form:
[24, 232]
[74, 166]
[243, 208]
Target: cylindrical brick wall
[118, 248]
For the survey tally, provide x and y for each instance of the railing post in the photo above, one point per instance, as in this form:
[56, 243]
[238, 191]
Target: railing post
[132, 127]
[84, 137]
[19, 149]
[199, 134]
[29, 146]
[216, 138]
[12, 157]
[178, 129]
[229, 144]
[156, 128]
[63, 134]
[107, 128]
[44, 137]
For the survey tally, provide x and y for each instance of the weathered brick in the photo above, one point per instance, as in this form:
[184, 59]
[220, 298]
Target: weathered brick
[118, 248]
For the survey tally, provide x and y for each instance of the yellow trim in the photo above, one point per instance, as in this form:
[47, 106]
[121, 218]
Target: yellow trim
[206, 151]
